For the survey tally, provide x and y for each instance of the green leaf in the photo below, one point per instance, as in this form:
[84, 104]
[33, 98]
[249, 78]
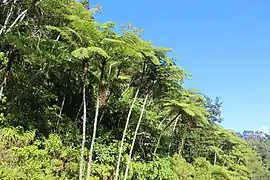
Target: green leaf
[188, 111]
[97, 50]
[82, 53]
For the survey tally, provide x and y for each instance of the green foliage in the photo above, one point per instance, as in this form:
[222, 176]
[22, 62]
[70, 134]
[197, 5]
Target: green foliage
[56, 48]
[29, 159]
[83, 53]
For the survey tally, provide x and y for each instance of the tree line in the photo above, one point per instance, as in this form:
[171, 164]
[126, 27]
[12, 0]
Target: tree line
[82, 99]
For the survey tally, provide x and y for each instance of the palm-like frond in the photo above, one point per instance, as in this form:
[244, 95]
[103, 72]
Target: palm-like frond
[88, 52]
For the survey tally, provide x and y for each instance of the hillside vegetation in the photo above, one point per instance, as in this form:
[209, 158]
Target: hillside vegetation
[81, 99]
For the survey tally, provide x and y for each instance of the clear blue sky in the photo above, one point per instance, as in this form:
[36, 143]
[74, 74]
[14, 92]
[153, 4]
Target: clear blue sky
[225, 44]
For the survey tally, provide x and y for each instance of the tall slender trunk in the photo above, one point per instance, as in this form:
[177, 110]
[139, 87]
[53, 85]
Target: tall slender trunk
[238, 161]
[102, 115]
[215, 158]
[85, 69]
[79, 111]
[174, 126]
[89, 165]
[11, 58]
[19, 17]
[10, 12]
[176, 117]
[179, 113]
[62, 106]
[181, 146]
[93, 140]
[158, 142]
[2, 87]
[83, 135]
[124, 134]
[161, 122]
[126, 89]
[60, 113]
[134, 138]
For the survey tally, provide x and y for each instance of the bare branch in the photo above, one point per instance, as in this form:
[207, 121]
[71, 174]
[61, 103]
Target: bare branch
[7, 19]
[19, 17]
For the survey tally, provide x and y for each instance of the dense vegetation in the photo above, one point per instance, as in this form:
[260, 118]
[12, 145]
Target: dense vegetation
[82, 99]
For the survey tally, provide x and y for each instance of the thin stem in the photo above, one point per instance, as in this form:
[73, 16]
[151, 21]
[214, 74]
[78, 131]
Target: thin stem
[60, 112]
[2, 87]
[93, 140]
[20, 16]
[124, 92]
[176, 117]
[83, 135]
[7, 19]
[215, 158]
[161, 122]
[79, 111]
[159, 138]
[181, 146]
[124, 135]
[89, 165]
[134, 138]
[174, 126]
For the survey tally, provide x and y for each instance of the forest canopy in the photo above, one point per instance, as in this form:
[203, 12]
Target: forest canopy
[81, 99]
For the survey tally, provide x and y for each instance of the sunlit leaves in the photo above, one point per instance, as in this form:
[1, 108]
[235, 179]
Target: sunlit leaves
[83, 53]
[43, 94]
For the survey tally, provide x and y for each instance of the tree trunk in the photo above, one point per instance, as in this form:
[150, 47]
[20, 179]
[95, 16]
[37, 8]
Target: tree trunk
[134, 138]
[85, 69]
[79, 111]
[93, 140]
[238, 161]
[7, 18]
[161, 122]
[176, 117]
[2, 87]
[102, 115]
[83, 135]
[11, 57]
[174, 126]
[159, 138]
[124, 134]
[215, 158]
[95, 123]
[60, 113]
[181, 146]
[19, 17]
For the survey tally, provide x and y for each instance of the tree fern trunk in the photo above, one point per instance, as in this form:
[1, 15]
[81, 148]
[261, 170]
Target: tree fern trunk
[93, 140]
[89, 165]
[159, 138]
[2, 87]
[181, 146]
[215, 158]
[19, 17]
[176, 117]
[174, 126]
[10, 12]
[134, 138]
[60, 113]
[85, 70]
[13, 54]
[161, 122]
[83, 135]
[124, 134]
[238, 161]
